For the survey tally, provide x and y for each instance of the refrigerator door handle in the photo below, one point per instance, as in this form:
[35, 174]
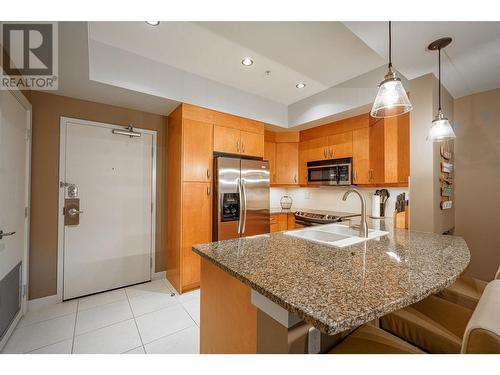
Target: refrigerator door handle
[240, 195]
[244, 206]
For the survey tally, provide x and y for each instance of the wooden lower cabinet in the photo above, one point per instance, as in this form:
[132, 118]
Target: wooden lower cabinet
[228, 320]
[283, 221]
[196, 228]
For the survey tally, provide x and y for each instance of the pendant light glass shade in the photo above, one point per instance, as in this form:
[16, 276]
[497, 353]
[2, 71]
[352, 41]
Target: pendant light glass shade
[391, 98]
[441, 129]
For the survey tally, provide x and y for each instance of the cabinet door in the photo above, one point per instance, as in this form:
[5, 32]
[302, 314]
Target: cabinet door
[197, 150]
[252, 144]
[377, 151]
[196, 228]
[274, 223]
[303, 163]
[317, 149]
[340, 145]
[361, 156]
[226, 139]
[270, 155]
[287, 163]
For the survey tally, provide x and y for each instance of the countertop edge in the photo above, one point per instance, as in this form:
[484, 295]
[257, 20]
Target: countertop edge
[342, 326]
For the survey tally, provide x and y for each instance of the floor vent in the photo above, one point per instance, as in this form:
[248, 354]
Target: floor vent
[10, 298]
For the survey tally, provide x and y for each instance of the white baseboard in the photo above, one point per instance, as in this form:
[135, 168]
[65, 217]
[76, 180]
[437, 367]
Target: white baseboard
[38, 303]
[159, 275]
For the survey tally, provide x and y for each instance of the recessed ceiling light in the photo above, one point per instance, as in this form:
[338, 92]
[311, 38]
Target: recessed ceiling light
[247, 61]
[300, 85]
[153, 23]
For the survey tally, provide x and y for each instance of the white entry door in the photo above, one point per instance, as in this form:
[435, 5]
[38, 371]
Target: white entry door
[14, 197]
[111, 177]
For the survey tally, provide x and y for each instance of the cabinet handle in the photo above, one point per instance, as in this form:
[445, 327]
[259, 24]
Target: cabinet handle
[295, 178]
[208, 173]
[331, 152]
[242, 147]
[355, 175]
[208, 190]
[238, 146]
[324, 152]
[370, 174]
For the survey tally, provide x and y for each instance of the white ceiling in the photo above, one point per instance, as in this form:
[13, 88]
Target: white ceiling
[320, 54]
[74, 76]
[471, 63]
[330, 57]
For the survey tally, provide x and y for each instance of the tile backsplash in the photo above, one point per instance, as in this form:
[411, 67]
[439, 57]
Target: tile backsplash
[330, 198]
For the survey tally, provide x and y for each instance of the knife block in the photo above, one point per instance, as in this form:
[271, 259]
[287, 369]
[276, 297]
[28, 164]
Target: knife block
[401, 219]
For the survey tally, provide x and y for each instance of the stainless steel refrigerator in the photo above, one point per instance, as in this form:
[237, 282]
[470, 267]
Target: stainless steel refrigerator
[241, 198]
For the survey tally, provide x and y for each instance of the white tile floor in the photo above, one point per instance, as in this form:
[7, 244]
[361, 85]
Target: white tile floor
[140, 319]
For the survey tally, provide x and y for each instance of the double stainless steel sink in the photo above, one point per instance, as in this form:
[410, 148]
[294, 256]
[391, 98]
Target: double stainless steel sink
[337, 235]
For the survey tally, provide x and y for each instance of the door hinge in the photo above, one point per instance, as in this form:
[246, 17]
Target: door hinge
[151, 263]
[152, 207]
[24, 291]
[26, 210]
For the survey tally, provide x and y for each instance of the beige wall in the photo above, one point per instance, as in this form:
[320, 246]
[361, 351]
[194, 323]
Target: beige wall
[477, 126]
[47, 111]
[425, 194]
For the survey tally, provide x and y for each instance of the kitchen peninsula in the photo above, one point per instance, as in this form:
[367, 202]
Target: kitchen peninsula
[256, 291]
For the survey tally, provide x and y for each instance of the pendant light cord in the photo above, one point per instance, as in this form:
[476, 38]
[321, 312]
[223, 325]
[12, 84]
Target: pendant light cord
[390, 46]
[439, 74]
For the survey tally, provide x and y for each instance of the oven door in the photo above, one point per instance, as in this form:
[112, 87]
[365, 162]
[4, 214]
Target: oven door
[322, 175]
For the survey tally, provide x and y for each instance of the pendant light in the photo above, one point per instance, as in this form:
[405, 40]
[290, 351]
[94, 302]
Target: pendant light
[441, 129]
[391, 98]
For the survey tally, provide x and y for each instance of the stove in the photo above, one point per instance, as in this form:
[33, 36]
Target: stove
[317, 218]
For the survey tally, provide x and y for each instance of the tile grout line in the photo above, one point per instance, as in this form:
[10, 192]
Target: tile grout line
[135, 322]
[74, 328]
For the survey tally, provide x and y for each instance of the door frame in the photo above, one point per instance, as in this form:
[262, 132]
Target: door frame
[25, 103]
[60, 217]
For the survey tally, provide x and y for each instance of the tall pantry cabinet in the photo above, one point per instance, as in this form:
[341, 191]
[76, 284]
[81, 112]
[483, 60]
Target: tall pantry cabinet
[189, 193]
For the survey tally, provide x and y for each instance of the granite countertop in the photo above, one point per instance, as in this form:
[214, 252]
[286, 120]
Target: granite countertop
[335, 289]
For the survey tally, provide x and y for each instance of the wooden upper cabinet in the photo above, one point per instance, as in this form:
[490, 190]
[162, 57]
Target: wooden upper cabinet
[377, 153]
[361, 156]
[317, 149]
[226, 139]
[287, 163]
[197, 150]
[340, 145]
[270, 155]
[390, 151]
[251, 144]
[196, 228]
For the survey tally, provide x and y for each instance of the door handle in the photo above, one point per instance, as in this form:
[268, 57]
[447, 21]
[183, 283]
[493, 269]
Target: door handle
[243, 226]
[6, 234]
[240, 195]
[74, 212]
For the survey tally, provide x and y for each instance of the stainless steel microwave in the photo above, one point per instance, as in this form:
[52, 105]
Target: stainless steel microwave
[330, 172]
